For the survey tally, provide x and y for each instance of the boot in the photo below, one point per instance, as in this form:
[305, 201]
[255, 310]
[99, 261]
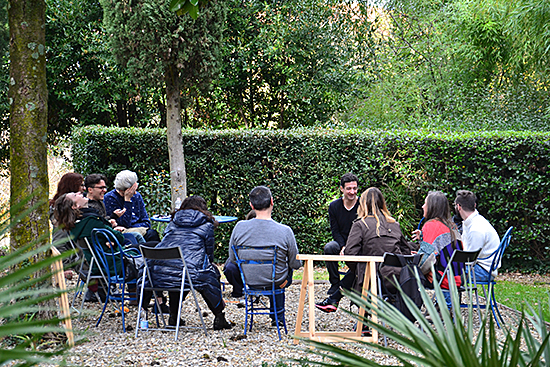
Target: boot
[221, 323]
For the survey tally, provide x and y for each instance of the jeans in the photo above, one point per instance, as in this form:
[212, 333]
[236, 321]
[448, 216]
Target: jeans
[482, 275]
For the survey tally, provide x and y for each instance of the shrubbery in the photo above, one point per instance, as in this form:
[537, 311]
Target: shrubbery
[507, 170]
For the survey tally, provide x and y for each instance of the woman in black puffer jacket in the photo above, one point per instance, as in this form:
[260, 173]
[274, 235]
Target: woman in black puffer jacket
[192, 229]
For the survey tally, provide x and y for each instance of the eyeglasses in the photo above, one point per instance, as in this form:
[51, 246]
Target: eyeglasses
[100, 187]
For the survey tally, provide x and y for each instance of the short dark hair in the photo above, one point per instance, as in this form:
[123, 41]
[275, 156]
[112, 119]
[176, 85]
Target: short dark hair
[466, 199]
[94, 179]
[260, 198]
[348, 177]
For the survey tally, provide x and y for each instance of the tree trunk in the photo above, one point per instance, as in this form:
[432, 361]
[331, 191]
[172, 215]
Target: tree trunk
[28, 96]
[178, 178]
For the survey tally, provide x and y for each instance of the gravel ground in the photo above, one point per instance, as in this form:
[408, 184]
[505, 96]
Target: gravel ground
[107, 345]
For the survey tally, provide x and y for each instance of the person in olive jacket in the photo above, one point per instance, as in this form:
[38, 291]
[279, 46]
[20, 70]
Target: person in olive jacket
[192, 229]
[73, 214]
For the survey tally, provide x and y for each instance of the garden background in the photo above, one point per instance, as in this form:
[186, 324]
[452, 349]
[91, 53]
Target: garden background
[410, 95]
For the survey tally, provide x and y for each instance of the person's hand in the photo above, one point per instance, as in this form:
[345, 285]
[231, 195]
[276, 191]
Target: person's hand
[109, 244]
[130, 192]
[342, 251]
[414, 252]
[119, 228]
[119, 212]
[113, 223]
[416, 234]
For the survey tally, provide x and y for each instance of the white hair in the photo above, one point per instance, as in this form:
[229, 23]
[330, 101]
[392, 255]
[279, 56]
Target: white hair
[125, 179]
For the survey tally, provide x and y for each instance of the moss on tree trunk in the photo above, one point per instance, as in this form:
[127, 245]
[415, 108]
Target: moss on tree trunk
[28, 97]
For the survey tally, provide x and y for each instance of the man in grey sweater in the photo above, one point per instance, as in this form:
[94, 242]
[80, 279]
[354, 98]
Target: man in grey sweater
[263, 231]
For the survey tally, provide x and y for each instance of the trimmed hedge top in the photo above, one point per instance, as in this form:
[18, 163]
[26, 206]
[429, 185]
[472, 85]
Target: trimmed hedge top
[508, 171]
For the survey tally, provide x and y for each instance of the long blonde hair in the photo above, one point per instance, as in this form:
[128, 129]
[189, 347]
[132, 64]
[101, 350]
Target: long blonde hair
[372, 204]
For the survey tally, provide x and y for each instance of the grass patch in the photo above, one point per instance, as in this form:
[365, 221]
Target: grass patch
[517, 296]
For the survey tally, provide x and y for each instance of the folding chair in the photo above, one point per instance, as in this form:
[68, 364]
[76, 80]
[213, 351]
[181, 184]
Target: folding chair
[174, 254]
[85, 272]
[463, 260]
[253, 302]
[490, 284]
[116, 288]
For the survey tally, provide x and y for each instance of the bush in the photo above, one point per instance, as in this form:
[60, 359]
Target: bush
[507, 170]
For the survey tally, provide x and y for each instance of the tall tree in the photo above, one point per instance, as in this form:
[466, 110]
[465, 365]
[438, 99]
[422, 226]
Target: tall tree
[4, 73]
[85, 84]
[161, 48]
[28, 96]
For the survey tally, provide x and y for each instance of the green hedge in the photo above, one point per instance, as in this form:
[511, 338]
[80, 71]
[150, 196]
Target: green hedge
[507, 170]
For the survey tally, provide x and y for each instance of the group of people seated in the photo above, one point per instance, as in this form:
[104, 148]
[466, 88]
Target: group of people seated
[359, 225]
[364, 226]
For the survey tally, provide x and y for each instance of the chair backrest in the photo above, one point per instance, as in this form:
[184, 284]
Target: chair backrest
[394, 259]
[253, 260]
[445, 256]
[114, 257]
[500, 251]
[165, 253]
[463, 259]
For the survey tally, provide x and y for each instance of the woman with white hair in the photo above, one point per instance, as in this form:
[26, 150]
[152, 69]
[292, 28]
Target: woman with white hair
[126, 205]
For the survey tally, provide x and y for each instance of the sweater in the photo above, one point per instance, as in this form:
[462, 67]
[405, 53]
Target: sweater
[135, 215]
[260, 233]
[341, 220]
[478, 233]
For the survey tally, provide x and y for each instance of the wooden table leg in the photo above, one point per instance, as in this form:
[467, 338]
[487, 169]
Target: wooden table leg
[301, 302]
[311, 297]
[374, 292]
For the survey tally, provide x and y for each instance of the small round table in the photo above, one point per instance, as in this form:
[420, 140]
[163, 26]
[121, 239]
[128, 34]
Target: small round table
[219, 218]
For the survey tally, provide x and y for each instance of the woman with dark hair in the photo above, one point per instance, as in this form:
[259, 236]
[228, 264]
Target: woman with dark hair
[438, 232]
[373, 233]
[192, 229]
[69, 182]
[73, 215]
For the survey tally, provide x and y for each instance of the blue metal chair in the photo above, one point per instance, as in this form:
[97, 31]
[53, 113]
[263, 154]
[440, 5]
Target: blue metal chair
[116, 289]
[253, 302]
[490, 284]
[174, 254]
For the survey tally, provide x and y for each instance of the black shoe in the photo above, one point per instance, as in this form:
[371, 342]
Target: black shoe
[327, 305]
[173, 320]
[333, 288]
[221, 323]
[281, 323]
[90, 297]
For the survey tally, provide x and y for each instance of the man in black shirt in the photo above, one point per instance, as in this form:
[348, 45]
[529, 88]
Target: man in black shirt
[341, 212]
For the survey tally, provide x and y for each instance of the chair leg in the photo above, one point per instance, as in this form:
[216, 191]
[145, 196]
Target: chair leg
[199, 309]
[139, 313]
[494, 305]
[79, 289]
[247, 300]
[276, 316]
[107, 296]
